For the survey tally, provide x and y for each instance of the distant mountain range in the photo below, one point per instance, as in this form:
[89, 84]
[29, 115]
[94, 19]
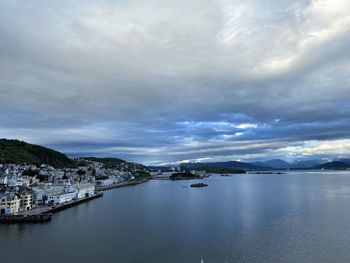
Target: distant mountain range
[300, 164]
[275, 164]
[227, 165]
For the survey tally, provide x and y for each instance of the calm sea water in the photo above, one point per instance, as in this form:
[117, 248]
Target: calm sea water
[295, 217]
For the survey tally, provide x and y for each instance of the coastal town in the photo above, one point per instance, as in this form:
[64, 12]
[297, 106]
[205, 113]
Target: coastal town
[27, 189]
[30, 193]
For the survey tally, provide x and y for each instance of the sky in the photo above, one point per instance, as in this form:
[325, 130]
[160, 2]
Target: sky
[165, 81]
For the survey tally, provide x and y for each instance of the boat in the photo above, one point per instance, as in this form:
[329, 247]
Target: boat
[199, 185]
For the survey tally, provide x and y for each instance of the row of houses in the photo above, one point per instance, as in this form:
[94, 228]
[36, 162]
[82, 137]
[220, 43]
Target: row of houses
[13, 201]
[27, 186]
[13, 181]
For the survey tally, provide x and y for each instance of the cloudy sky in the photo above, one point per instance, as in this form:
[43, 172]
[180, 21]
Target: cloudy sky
[163, 81]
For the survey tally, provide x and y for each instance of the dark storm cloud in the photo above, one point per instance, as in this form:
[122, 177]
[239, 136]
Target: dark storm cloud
[166, 81]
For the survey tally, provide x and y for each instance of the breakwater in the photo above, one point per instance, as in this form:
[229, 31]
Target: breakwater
[123, 184]
[41, 218]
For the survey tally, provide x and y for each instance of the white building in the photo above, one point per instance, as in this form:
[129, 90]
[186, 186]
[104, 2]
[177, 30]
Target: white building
[3, 179]
[200, 173]
[155, 173]
[60, 198]
[85, 190]
[15, 181]
[53, 196]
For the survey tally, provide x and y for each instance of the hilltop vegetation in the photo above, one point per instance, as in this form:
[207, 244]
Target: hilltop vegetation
[18, 152]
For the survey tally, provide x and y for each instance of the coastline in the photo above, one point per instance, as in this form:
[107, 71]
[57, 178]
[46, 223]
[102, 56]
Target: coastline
[45, 215]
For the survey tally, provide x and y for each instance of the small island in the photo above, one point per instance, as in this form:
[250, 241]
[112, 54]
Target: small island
[266, 172]
[223, 170]
[199, 185]
[186, 176]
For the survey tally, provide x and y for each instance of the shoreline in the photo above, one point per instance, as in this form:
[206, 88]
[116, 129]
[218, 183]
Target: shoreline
[44, 216]
[41, 216]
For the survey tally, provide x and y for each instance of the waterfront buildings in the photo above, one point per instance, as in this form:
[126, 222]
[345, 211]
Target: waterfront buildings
[55, 197]
[27, 186]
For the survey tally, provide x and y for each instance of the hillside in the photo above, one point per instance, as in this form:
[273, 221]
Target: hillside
[337, 165]
[116, 163]
[18, 152]
[105, 161]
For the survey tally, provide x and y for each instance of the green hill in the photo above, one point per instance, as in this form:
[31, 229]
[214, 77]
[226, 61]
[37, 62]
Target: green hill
[18, 152]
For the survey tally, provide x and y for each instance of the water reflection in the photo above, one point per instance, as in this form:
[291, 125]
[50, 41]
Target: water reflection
[295, 217]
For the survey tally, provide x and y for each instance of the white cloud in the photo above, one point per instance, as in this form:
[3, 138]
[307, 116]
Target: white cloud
[314, 148]
[246, 125]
